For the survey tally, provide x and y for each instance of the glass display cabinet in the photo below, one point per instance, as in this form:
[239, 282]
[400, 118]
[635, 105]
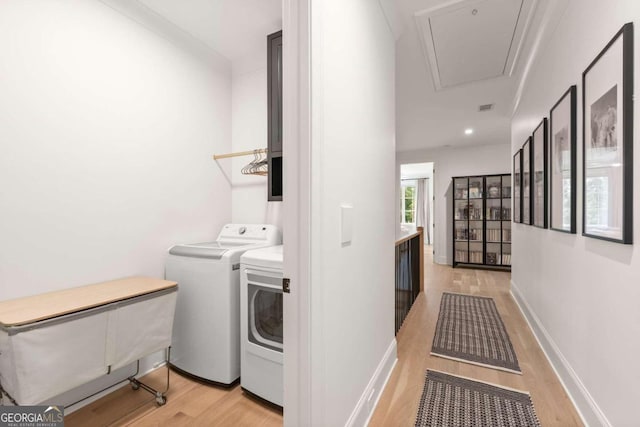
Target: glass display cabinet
[482, 221]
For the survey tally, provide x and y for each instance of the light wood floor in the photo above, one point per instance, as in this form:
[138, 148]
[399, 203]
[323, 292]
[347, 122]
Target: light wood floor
[192, 403]
[398, 404]
[189, 403]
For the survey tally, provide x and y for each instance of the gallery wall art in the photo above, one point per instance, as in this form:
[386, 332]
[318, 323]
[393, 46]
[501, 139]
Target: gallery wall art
[517, 185]
[539, 175]
[562, 163]
[607, 119]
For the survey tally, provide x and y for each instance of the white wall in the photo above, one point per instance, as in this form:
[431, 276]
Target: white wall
[352, 155]
[107, 131]
[450, 162]
[581, 294]
[249, 131]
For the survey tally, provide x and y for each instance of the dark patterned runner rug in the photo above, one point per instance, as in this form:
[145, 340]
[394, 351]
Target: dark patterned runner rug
[453, 401]
[469, 329]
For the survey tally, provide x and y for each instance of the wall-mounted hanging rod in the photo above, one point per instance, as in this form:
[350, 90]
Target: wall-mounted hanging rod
[239, 153]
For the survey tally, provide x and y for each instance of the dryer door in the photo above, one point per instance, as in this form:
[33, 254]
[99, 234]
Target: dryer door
[265, 309]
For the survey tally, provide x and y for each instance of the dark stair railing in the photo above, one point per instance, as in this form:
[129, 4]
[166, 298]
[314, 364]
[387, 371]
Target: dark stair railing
[409, 276]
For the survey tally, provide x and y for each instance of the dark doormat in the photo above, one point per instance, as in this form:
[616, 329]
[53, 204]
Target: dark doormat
[451, 401]
[470, 330]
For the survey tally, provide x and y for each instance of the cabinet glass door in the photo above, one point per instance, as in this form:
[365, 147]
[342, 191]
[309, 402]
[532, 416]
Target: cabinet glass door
[506, 243]
[494, 205]
[476, 216]
[494, 220]
[461, 219]
[506, 221]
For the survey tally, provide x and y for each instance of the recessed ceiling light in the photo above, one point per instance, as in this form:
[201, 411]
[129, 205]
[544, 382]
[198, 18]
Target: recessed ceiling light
[468, 131]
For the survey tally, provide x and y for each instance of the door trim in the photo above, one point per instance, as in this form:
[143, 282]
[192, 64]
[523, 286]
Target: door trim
[296, 146]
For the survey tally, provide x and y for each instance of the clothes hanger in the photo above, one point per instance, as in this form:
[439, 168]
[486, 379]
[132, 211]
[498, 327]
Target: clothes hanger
[258, 166]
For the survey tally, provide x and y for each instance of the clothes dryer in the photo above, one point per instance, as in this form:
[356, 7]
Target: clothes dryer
[261, 323]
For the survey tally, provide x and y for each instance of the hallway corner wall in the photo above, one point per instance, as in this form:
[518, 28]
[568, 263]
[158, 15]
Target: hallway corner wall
[581, 294]
[352, 160]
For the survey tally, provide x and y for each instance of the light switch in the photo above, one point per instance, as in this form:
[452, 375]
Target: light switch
[346, 224]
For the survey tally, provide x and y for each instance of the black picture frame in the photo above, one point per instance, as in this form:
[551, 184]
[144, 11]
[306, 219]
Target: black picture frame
[607, 143]
[563, 164]
[527, 188]
[517, 187]
[539, 155]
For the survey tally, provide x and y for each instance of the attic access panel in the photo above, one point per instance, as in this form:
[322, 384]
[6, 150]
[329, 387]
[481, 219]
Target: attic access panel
[472, 40]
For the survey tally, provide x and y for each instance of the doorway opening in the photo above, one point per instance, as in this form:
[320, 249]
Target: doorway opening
[417, 199]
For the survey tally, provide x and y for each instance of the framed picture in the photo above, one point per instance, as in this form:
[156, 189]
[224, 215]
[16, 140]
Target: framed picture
[526, 183]
[517, 184]
[539, 175]
[562, 163]
[607, 120]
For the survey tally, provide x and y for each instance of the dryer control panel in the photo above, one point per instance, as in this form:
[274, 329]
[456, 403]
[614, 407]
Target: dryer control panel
[250, 234]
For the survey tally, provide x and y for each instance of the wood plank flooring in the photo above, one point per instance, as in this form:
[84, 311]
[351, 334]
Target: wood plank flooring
[189, 403]
[195, 404]
[398, 404]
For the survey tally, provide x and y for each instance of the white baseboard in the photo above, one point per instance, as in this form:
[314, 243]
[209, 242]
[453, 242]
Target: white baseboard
[586, 406]
[442, 260]
[369, 400]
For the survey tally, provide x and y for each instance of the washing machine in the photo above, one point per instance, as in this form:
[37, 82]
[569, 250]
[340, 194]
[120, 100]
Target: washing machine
[261, 315]
[206, 328]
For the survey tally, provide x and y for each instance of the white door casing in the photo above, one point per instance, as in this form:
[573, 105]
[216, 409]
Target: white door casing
[296, 210]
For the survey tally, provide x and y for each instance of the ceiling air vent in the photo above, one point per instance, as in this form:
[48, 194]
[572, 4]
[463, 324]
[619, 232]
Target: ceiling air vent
[485, 107]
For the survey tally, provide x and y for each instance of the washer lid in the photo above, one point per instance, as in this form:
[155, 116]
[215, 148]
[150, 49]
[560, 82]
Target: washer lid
[211, 250]
[270, 257]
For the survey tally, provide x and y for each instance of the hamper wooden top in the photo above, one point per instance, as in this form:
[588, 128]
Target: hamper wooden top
[22, 311]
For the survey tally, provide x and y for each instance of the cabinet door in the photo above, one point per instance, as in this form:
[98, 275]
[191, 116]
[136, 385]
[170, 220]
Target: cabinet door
[274, 55]
[461, 220]
[274, 95]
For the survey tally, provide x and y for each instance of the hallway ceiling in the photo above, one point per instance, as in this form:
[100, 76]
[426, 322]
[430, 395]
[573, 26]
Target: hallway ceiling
[432, 109]
[232, 28]
[472, 40]
[453, 57]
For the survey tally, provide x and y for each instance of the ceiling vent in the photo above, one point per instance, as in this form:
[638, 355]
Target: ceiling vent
[466, 41]
[485, 107]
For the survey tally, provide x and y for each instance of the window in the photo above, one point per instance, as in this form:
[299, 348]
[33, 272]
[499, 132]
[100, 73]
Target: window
[408, 202]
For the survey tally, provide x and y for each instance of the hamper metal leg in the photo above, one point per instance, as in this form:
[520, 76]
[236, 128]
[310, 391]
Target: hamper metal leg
[161, 396]
[3, 393]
